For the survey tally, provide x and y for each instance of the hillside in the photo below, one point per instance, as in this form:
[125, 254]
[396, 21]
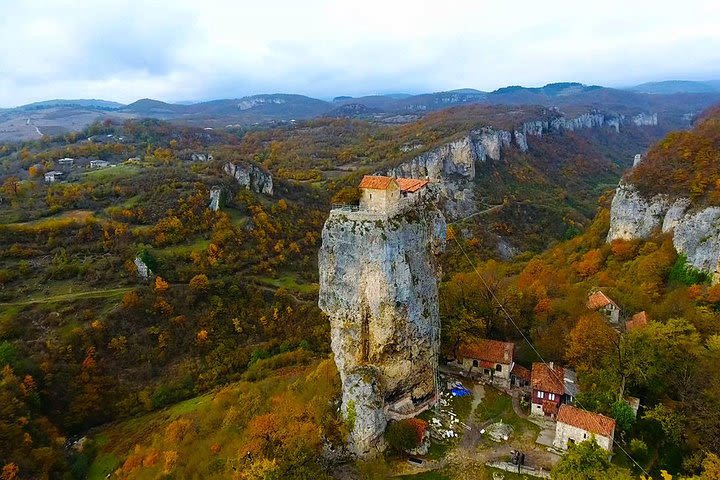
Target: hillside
[62, 116]
[87, 340]
[675, 86]
[684, 164]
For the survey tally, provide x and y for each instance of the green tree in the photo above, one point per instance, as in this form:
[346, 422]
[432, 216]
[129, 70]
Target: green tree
[587, 461]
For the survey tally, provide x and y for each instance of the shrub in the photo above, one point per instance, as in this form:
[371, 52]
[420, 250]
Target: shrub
[683, 273]
[405, 434]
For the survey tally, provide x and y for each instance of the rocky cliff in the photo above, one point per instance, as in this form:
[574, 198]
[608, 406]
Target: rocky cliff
[696, 230]
[250, 177]
[378, 286]
[451, 167]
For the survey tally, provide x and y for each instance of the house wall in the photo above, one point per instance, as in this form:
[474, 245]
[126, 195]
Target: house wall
[379, 200]
[502, 374]
[612, 312]
[537, 402]
[564, 433]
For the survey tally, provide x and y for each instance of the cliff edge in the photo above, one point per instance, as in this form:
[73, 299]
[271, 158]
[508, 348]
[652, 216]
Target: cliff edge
[378, 286]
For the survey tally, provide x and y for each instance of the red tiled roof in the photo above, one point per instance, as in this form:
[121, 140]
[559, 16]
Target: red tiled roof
[488, 350]
[521, 372]
[411, 184]
[379, 182]
[637, 321]
[376, 182]
[549, 407]
[546, 380]
[588, 421]
[599, 300]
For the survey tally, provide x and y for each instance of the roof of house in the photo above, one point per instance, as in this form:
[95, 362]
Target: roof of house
[411, 185]
[489, 350]
[521, 372]
[54, 172]
[546, 379]
[379, 182]
[599, 300]
[588, 421]
[637, 321]
[570, 382]
[549, 407]
[376, 182]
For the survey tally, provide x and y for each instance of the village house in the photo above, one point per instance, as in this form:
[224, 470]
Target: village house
[638, 320]
[385, 194]
[53, 176]
[66, 162]
[600, 302]
[99, 163]
[492, 359]
[575, 425]
[520, 376]
[552, 386]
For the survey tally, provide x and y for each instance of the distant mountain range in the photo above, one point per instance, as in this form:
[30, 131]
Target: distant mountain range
[56, 116]
[678, 86]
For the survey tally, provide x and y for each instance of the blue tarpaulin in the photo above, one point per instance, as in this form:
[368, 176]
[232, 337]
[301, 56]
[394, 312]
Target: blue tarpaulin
[460, 392]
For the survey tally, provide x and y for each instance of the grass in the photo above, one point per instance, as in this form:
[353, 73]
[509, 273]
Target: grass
[62, 218]
[431, 475]
[289, 282]
[185, 249]
[496, 406]
[110, 173]
[66, 297]
[507, 475]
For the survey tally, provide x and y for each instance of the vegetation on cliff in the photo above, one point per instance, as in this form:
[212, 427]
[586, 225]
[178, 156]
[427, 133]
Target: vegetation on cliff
[684, 164]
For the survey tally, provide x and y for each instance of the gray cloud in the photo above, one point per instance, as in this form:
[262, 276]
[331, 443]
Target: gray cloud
[185, 49]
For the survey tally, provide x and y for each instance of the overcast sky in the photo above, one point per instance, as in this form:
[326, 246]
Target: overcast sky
[177, 50]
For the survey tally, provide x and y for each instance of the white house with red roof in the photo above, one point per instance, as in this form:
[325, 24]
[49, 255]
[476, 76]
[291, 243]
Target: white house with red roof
[575, 425]
[492, 359]
[600, 302]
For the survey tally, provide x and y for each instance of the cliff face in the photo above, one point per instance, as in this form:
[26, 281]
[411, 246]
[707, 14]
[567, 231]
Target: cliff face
[451, 167]
[696, 231]
[378, 286]
[251, 177]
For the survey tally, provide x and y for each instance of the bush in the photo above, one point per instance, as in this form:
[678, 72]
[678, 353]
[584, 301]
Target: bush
[405, 434]
[683, 273]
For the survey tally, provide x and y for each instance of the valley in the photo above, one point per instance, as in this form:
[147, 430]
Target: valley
[164, 312]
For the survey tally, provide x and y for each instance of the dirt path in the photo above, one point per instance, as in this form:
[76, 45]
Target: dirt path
[71, 296]
[516, 404]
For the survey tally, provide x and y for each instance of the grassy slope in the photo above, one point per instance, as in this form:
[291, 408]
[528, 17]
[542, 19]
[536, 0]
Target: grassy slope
[209, 432]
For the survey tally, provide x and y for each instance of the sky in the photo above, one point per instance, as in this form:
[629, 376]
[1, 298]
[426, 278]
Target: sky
[190, 50]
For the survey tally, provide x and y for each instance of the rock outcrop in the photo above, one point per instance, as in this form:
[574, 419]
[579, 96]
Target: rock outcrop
[696, 231]
[250, 177]
[451, 167]
[215, 196]
[378, 286]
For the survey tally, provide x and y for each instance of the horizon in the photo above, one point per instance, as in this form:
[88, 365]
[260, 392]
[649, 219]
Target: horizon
[332, 97]
[181, 51]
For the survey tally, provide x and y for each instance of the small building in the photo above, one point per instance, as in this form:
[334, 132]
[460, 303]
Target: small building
[575, 425]
[491, 358]
[638, 320]
[53, 176]
[600, 302]
[637, 159]
[551, 386]
[66, 162]
[519, 376]
[385, 194]
[99, 163]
